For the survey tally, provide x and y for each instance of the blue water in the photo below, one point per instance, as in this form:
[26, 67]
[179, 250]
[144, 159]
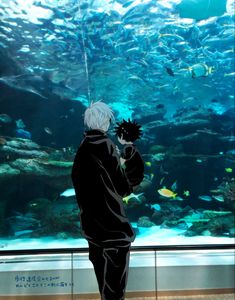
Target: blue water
[167, 64]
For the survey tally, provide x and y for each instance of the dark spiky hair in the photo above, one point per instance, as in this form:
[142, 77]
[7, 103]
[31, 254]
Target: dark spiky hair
[128, 130]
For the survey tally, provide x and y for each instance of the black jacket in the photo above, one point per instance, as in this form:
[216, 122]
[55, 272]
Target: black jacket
[100, 185]
[134, 165]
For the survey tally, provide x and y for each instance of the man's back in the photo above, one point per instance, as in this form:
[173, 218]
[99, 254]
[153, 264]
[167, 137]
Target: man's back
[100, 185]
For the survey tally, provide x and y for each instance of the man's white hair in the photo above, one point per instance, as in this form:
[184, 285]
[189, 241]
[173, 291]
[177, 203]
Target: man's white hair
[97, 115]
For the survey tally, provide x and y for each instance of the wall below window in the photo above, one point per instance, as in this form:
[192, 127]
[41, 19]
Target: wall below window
[151, 274]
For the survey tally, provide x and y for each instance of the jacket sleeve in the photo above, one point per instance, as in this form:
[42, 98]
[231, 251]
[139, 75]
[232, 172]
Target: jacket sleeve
[115, 171]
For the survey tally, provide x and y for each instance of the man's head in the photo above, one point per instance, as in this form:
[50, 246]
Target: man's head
[98, 116]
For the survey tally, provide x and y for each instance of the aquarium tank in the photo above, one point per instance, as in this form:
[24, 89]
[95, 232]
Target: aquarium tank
[168, 65]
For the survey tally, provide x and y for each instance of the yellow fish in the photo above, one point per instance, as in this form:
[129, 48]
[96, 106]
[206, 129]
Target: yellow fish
[132, 195]
[229, 170]
[148, 164]
[167, 193]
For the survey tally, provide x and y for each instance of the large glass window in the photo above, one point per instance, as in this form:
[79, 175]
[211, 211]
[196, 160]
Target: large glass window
[168, 65]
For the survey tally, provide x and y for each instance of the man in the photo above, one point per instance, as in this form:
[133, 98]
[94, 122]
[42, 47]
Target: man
[100, 184]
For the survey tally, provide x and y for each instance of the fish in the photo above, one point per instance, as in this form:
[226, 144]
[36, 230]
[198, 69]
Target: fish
[167, 193]
[24, 82]
[200, 10]
[219, 198]
[228, 170]
[68, 193]
[155, 206]
[232, 74]
[162, 35]
[170, 71]
[186, 193]
[128, 3]
[174, 186]
[200, 70]
[48, 130]
[23, 233]
[148, 163]
[178, 198]
[205, 198]
[132, 195]
[161, 181]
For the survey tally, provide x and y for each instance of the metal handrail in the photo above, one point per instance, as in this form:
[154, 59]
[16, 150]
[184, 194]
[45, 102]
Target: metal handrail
[133, 248]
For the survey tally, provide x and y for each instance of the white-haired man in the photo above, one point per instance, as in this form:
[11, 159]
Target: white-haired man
[100, 184]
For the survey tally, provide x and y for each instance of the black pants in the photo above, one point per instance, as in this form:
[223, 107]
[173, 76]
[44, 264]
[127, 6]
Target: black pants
[111, 268]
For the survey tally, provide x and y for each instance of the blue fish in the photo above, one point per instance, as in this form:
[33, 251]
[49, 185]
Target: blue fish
[24, 134]
[205, 198]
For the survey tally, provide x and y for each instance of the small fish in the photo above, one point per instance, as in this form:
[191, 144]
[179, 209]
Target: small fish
[189, 99]
[68, 193]
[218, 191]
[219, 198]
[205, 198]
[170, 71]
[207, 85]
[179, 198]
[200, 70]
[128, 3]
[148, 163]
[48, 130]
[22, 232]
[174, 186]
[167, 193]
[132, 195]
[228, 170]
[161, 181]
[134, 77]
[229, 74]
[171, 35]
[186, 193]
[155, 206]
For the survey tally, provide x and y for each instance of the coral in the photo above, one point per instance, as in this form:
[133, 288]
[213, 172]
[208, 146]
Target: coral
[221, 225]
[56, 163]
[158, 218]
[39, 207]
[228, 192]
[197, 228]
[217, 226]
[3, 141]
[145, 222]
[8, 173]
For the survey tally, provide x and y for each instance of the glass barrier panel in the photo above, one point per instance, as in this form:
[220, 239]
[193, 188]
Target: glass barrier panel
[195, 271]
[36, 275]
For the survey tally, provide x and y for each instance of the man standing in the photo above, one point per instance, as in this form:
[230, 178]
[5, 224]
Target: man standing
[100, 184]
